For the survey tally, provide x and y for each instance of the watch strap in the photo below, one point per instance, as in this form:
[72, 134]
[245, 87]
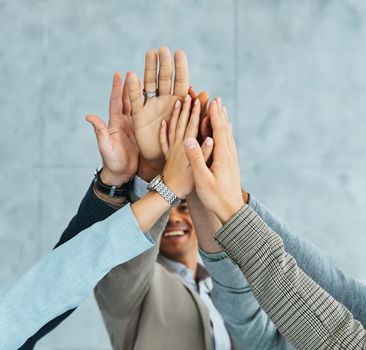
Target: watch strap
[111, 191]
[158, 185]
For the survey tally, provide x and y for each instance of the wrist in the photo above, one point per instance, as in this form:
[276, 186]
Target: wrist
[173, 187]
[110, 178]
[159, 185]
[148, 169]
[149, 209]
[227, 210]
[116, 202]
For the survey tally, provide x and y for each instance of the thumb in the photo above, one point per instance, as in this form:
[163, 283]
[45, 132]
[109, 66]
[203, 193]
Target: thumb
[100, 127]
[196, 159]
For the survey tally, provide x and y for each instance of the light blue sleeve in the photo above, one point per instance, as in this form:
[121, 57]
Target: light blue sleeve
[247, 323]
[64, 277]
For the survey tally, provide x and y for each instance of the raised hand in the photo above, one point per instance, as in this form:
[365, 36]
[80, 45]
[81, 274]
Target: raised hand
[147, 115]
[116, 142]
[183, 124]
[218, 187]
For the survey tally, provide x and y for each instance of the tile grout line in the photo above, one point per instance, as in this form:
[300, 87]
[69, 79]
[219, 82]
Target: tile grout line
[42, 128]
[236, 67]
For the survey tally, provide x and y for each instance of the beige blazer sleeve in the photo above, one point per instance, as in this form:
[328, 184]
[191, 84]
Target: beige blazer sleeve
[303, 312]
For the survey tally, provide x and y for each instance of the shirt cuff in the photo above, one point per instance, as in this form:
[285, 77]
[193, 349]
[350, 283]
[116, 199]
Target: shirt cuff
[213, 256]
[223, 271]
[139, 187]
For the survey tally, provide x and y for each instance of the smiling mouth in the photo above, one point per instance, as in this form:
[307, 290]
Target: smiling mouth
[177, 233]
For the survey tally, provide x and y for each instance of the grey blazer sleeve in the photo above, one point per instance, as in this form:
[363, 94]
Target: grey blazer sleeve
[313, 262]
[303, 312]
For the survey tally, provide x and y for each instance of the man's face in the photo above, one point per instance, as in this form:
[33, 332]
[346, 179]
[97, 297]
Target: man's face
[179, 239]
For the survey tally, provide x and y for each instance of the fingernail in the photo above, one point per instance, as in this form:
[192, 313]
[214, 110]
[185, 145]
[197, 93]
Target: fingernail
[196, 103]
[187, 99]
[209, 141]
[163, 122]
[190, 143]
[177, 104]
[219, 100]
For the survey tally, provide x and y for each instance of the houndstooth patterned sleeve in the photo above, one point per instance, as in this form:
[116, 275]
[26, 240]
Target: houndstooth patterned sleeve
[303, 312]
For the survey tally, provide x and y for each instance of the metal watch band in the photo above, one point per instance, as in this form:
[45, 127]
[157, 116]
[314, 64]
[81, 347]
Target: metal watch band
[111, 191]
[158, 185]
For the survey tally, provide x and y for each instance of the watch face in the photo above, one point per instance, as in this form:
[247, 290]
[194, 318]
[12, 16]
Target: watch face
[154, 182]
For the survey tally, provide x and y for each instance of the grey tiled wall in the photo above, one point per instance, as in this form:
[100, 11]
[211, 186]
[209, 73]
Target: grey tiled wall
[292, 74]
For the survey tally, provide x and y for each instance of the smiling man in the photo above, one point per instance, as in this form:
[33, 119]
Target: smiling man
[179, 241]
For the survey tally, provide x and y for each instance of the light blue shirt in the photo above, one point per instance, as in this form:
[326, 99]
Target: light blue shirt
[62, 279]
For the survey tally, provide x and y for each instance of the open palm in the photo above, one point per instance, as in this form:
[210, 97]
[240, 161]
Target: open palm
[147, 115]
[116, 142]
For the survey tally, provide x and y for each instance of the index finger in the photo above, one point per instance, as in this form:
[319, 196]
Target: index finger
[134, 94]
[219, 125]
[151, 61]
[126, 105]
[181, 79]
[115, 101]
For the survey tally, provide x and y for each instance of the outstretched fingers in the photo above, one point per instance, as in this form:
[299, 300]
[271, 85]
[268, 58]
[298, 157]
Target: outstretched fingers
[126, 105]
[165, 71]
[181, 79]
[151, 62]
[174, 121]
[164, 139]
[194, 121]
[134, 93]
[115, 100]
[183, 118]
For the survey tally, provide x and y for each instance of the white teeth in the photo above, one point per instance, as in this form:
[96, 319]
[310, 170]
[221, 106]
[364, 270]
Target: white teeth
[174, 233]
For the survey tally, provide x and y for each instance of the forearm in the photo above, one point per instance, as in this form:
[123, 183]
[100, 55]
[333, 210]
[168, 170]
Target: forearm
[205, 223]
[308, 316]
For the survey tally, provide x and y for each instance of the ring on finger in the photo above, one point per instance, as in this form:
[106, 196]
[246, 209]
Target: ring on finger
[150, 94]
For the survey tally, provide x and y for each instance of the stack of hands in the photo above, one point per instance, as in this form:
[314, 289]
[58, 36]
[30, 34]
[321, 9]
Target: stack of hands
[165, 130]
[183, 145]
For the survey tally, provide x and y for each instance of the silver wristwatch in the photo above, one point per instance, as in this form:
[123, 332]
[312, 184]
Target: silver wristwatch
[157, 184]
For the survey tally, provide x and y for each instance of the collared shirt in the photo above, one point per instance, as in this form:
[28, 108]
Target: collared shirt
[220, 336]
[63, 278]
